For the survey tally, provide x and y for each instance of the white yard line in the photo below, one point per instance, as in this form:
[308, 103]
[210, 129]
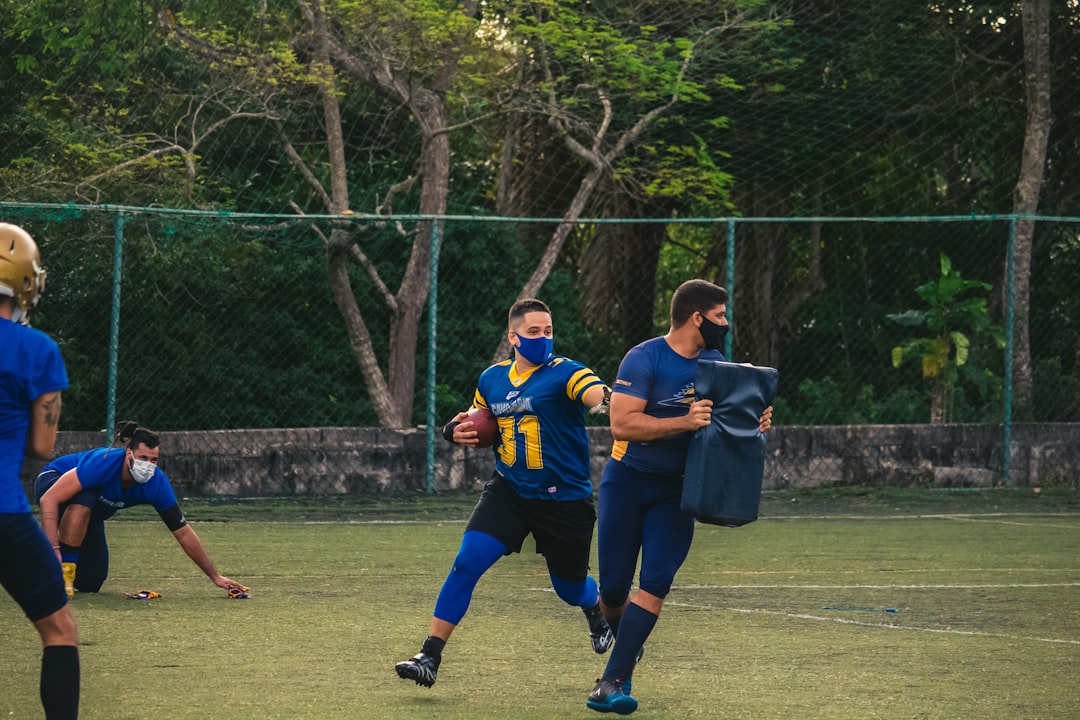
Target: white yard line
[946, 586]
[886, 626]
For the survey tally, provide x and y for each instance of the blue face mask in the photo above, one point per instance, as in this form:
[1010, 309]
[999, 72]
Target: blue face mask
[535, 350]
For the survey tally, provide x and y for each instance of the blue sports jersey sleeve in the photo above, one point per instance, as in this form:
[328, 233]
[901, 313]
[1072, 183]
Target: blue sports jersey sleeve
[158, 491]
[65, 462]
[100, 468]
[30, 366]
[655, 373]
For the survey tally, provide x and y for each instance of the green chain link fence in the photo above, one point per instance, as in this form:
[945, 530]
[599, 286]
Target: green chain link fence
[184, 320]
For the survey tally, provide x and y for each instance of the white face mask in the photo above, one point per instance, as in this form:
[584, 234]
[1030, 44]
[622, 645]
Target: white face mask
[142, 470]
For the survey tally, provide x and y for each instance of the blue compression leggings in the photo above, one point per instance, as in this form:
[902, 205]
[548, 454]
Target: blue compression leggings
[640, 512]
[583, 594]
[478, 552]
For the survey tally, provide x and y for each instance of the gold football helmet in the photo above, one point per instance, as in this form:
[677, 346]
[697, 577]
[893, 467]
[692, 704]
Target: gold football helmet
[21, 274]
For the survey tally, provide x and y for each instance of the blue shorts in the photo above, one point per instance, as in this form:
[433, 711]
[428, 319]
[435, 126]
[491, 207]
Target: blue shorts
[29, 570]
[48, 478]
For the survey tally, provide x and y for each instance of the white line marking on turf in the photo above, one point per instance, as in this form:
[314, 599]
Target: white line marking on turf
[802, 586]
[919, 516]
[842, 621]
[792, 572]
[999, 521]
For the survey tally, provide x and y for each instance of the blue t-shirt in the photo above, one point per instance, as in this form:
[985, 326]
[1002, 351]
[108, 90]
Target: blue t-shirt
[664, 379]
[101, 469]
[30, 366]
[543, 448]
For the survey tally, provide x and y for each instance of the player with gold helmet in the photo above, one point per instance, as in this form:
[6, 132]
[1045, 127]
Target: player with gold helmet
[32, 376]
[21, 274]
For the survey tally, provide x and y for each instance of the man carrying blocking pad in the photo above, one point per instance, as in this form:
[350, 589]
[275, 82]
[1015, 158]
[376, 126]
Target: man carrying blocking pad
[654, 414]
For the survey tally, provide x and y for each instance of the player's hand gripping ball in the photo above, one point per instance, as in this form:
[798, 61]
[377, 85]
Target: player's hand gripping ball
[485, 425]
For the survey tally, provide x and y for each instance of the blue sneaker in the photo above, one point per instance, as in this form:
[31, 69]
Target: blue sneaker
[608, 696]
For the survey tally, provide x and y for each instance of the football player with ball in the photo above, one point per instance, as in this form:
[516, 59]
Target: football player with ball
[541, 483]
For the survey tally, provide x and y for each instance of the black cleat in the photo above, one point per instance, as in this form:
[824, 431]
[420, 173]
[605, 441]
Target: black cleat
[609, 696]
[599, 632]
[422, 668]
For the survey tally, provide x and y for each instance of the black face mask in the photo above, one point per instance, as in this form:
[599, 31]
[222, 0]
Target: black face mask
[712, 334]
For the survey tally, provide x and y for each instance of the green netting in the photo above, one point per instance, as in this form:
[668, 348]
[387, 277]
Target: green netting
[229, 321]
[819, 158]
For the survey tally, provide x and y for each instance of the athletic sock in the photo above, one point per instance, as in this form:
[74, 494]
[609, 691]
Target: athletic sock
[613, 623]
[634, 629]
[59, 687]
[69, 553]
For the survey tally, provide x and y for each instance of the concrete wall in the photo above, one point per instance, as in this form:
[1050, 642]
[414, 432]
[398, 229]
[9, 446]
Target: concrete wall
[324, 461]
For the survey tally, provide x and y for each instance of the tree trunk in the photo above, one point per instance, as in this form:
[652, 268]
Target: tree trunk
[937, 401]
[1036, 27]
[412, 296]
[392, 391]
[618, 272]
[337, 261]
[554, 247]
[765, 300]
[337, 253]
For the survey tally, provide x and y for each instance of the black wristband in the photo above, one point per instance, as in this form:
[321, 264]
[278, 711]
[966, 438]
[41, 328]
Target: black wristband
[448, 431]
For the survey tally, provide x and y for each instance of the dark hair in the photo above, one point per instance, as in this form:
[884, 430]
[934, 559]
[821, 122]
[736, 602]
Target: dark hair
[695, 296]
[131, 436]
[526, 305]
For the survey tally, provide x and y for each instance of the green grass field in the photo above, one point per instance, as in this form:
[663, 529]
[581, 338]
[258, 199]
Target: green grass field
[986, 588]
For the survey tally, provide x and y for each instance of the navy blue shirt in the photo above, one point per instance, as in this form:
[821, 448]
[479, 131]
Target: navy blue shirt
[664, 379]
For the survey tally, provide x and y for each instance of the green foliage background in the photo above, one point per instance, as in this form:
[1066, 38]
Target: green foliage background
[785, 111]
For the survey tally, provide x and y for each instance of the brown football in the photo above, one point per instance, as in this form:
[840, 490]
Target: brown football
[485, 425]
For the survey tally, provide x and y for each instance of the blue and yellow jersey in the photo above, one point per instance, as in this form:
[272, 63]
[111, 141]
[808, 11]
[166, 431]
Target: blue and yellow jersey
[543, 449]
[101, 469]
[664, 379]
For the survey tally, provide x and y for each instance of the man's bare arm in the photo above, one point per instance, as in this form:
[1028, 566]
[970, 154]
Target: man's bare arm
[44, 422]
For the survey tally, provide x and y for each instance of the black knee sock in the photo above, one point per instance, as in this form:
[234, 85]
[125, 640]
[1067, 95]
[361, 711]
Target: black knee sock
[60, 682]
[433, 646]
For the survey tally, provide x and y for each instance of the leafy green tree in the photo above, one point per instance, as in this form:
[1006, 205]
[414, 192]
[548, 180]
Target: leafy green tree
[295, 80]
[601, 86]
[953, 317]
[823, 108]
